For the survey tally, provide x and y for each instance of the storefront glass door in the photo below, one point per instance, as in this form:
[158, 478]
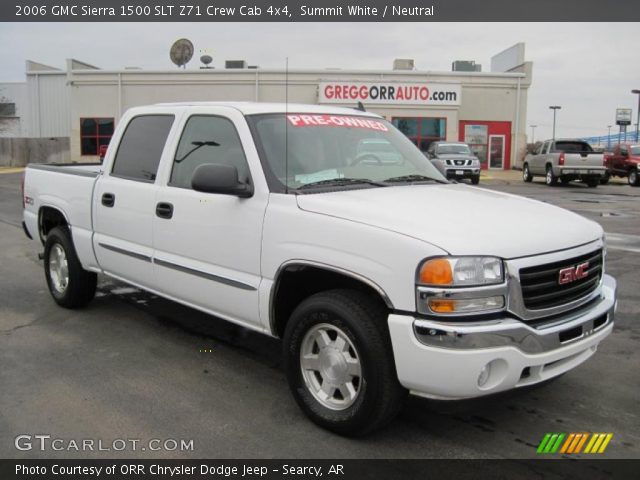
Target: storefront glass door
[496, 151]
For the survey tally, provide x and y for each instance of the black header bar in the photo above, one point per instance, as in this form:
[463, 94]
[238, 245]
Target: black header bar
[320, 11]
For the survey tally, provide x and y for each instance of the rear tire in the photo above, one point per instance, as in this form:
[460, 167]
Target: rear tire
[593, 182]
[339, 362]
[69, 284]
[550, 178]
[633, 177]
[605, 178]
[526, 173]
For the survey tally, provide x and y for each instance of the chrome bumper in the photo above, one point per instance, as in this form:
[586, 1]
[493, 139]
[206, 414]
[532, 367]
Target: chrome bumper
[561, 331]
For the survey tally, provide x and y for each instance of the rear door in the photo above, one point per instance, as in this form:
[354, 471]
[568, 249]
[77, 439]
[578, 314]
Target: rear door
[124, 200]
[207, 245]
[537, 164]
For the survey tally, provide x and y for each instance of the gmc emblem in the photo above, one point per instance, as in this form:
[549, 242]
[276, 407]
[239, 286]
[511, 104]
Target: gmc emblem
[571, 274]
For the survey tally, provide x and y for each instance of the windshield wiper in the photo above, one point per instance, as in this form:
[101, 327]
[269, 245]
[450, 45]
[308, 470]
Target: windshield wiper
[339, 182]
[413, 178]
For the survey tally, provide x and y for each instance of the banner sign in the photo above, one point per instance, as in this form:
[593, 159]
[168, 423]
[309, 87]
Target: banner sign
[390, 93]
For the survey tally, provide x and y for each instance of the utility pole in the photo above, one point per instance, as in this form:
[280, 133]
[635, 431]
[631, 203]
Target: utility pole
[533, 129]
[609, 137]
[637, 92]
[554, 108]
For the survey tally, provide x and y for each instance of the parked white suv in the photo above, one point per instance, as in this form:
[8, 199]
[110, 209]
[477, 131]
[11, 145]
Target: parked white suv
[380, 276]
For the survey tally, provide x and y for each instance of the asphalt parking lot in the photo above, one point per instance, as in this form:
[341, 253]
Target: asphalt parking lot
[132, 365]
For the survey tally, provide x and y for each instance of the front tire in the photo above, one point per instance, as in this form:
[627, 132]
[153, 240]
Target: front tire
[339, 362]
[69, 284]
[550, 178]
[526, 173]
[633, 177]
[475, 180]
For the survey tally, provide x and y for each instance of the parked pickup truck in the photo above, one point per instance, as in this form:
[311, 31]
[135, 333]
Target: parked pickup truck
[455, 160]
[565, 160]
[381, 278]
[624, 161]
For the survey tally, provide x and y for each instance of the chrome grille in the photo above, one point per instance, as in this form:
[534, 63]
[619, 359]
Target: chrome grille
[541, 288]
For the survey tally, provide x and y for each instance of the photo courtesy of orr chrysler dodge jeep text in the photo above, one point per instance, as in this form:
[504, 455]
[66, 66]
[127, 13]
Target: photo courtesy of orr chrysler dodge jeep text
[326, 227]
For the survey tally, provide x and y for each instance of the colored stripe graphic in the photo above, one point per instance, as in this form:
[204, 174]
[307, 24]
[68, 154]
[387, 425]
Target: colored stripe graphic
[550, 443]
[572, 443]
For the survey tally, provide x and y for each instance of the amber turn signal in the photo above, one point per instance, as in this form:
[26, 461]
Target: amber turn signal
[436, 272]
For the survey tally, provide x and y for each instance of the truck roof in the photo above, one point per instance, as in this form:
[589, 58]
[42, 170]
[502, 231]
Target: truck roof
[252, 108]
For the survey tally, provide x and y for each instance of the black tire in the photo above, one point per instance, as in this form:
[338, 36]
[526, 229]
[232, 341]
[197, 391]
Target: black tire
[526, 173]
[475, 180]
[80, 287]
[592, 182]
[633, 178]
[605, 178]
[550, 179]
[379, 395]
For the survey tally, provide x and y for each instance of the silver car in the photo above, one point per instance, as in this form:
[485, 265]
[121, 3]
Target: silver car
[455, 160]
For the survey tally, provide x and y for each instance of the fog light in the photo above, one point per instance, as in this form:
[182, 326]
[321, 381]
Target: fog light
[484, 375]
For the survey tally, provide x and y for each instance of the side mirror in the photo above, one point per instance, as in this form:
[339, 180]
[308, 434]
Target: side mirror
[223, 179]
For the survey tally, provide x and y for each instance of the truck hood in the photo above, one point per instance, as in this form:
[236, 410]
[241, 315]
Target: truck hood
[460, 219]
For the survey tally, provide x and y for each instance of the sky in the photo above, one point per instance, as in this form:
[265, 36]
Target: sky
[589, 69]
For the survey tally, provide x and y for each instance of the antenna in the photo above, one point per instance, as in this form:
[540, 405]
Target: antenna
[286, 125]
[181, 52]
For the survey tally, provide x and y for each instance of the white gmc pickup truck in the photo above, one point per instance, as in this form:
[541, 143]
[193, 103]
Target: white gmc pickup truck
[380, 277]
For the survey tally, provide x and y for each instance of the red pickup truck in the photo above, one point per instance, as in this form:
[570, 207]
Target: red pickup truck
[624, 161]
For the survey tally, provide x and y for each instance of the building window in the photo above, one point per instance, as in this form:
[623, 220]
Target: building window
[422, 131]
[95, 132]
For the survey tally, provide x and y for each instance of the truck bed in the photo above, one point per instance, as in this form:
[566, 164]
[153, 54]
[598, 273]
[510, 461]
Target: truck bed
[69, 189]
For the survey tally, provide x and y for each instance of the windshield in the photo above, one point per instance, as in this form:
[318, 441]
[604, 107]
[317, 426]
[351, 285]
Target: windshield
[336, 151]
[635, 150]
[453, 149]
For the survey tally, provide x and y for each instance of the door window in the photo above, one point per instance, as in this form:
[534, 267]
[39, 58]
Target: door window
[207, 139]
[141, 147]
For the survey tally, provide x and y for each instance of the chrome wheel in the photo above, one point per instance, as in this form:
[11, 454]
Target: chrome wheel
[633, 177]
[58, 268]
[330, 366]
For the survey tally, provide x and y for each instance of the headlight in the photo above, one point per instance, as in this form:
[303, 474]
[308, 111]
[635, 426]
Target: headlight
[461, 271]
[455, 286]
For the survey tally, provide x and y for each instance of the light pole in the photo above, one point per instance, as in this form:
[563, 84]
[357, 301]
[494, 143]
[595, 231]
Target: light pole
[637, 113]
[609, 137]
[554, 108]
[533, 129]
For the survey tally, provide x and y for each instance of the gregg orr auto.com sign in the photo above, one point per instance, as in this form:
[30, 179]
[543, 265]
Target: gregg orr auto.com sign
[390, 93]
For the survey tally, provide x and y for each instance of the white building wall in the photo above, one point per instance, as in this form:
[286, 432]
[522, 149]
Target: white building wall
[49, 104]
[97, 93]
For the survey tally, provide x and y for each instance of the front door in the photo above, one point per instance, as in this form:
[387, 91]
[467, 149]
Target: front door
[496, 152]
[207, 245]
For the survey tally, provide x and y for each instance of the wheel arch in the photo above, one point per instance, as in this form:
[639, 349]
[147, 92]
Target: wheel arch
[50, 217]
[300, 279]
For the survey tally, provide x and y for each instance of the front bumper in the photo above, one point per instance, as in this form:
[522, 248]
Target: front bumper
[445, 359]
[461, 172]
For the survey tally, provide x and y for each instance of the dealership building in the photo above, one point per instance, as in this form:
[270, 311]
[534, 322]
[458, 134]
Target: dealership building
[488, 110]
